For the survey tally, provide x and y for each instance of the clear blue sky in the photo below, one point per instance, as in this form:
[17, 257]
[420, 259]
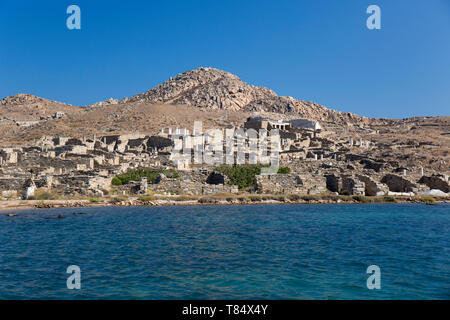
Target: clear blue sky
[314, 50]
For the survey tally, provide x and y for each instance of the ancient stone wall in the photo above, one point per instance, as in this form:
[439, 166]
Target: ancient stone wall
[435, 182]
[398, 184]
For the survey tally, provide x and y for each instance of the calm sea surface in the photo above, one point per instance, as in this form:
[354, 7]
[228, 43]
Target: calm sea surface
[228, 252]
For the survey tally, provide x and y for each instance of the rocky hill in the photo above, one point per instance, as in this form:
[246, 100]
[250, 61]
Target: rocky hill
[203, 88]
[219, 90]
[27, 107]
[219, 99]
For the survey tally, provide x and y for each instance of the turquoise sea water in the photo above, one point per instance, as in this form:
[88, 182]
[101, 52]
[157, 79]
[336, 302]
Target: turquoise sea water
[228, 252]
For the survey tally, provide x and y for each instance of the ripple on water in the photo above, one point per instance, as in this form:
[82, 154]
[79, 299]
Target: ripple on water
[228, 252]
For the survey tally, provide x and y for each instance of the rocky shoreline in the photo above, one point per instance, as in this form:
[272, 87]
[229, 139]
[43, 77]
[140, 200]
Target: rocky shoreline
[35, 204]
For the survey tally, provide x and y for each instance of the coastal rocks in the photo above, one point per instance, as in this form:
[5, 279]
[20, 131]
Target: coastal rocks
[60, 204]
[43, 205]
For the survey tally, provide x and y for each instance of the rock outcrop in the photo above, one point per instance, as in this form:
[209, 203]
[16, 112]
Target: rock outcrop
[23, 107]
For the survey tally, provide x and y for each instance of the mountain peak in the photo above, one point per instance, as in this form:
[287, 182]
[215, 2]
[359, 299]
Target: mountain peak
[216, 89]
[207, 88]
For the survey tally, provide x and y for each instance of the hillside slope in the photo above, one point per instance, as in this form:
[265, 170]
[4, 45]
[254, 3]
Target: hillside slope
[27, 107]
[219, 90]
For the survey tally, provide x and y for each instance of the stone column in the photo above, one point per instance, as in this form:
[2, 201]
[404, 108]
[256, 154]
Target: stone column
[144, 185]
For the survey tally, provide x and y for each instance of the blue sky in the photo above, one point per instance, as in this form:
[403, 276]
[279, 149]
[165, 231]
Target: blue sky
[316, 50]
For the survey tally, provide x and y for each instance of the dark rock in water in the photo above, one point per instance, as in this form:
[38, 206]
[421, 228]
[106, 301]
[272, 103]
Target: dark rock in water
[60, 216]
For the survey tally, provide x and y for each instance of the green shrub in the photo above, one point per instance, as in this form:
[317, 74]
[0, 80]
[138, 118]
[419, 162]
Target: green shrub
[116, 181]
[146, 198]
[294, 197]
[362, 199]
[254, 198]
[243, 175]
[389, 199]
[207, 200]
[428, 199]
[185, 198]
[284, 170]
[308, 197]
[94, 200]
